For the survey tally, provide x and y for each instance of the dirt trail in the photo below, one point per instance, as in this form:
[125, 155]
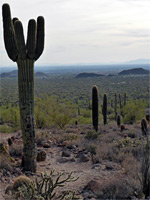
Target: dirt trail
[86, 171]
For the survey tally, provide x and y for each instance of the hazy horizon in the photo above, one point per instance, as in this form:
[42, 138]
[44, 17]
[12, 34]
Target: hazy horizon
[85, 31]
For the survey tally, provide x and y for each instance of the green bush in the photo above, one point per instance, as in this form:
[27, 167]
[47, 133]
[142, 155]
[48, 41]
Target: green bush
[10, 115]
[91, 135]
[6, 129]
[133, 111]
[51, 112]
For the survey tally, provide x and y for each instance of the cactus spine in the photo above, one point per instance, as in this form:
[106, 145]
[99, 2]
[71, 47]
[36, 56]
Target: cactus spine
[104, 110]
[25, 55]
[95, 100]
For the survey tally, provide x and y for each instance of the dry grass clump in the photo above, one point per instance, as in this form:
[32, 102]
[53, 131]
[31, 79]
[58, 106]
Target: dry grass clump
[118, 187]
[43, 135]
[16, 150]
[6, 161]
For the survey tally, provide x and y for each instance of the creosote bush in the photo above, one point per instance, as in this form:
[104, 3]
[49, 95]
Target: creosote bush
[49, 112]
[91, 135]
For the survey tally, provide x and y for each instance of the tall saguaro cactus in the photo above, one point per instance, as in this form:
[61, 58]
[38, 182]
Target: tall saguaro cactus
[115, 106]
[95, 107]
[120, 103]
[104, 109]
[25, 55]
[125, 98]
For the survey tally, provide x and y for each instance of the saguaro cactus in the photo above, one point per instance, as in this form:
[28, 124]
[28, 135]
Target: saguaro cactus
[125, 98]
[115, 106]
[95, 107]
[120, 101]
[144, 126]
[118, 120]
[25, 55]
[104, 110]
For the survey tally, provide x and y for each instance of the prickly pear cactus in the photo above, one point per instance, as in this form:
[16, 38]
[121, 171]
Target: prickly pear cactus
[25, 54]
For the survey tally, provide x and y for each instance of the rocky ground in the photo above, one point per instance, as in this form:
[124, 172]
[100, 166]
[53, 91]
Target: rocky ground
[65, 155]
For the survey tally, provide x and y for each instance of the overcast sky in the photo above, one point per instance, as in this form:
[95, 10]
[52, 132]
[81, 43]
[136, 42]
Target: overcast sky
[86, 31]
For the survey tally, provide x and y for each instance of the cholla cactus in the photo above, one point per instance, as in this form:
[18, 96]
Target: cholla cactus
[95, 100]
[25, 55]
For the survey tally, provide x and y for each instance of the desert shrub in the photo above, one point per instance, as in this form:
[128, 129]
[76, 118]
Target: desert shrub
[42, 135]
[132, 134]
[16, 150]
[92, 149]
[11, 115]
[6, 129]
[70, 136]
[6, 161]
[84, 120]
[110, 110]
[50, 112]
[118, 188]
[91, 135]
[86, 113]
[133, 110]
[111, 116]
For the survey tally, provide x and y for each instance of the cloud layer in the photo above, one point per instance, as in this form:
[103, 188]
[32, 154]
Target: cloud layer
[87, 30]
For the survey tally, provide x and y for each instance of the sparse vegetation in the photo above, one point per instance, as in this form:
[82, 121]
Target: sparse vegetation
[114, 151]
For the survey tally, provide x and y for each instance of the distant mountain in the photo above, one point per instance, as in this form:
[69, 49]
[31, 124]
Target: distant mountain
[134, 71]
[14, 74]
[41, 75]
[86, 75]
[138, 61]
[11, 74]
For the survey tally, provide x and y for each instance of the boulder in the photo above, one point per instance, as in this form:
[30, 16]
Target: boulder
[66, 153]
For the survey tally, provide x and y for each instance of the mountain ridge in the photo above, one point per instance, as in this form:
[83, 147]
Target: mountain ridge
[14, 74]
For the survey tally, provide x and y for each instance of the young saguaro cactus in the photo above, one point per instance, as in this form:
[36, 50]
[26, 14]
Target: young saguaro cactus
[95, 101]
[25, 55]
[144, 126]
[118, 120]
[115, 106]
[104, 109]
[120, 103]
[125, 98]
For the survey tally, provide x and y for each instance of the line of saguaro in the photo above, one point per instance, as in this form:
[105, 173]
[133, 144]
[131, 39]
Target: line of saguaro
[25, 54]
